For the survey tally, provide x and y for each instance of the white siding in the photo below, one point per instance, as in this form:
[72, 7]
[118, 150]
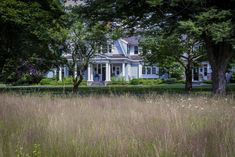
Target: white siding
[134, 71]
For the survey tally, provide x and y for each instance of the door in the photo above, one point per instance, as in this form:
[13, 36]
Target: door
[116, 70]
[103, 73]
[195, 74]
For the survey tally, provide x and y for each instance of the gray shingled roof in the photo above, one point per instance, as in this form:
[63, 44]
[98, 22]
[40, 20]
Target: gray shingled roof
[117, 56]
[135, 57]
[134, 40]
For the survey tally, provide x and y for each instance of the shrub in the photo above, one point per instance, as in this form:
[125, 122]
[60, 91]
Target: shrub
[66, 81]
[24, 79]
[118, 81]
[145, 81]
[207, 81]
[170, 81]
[134, 82]
[48, 81]
[233, 78]
[180, 81]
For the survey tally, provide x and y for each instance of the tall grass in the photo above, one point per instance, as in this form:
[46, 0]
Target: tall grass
[157, 126]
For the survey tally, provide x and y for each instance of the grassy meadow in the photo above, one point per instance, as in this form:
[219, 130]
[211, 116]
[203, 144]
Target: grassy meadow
[117, 126]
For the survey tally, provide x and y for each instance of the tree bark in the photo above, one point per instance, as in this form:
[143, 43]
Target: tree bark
[188, 75]
[218, 80]
[219, 55]
[76, 83]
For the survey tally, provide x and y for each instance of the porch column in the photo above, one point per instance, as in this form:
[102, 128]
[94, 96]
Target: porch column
[60, 73]
[128, 71]
[123, 70]
[140, 70]
[90, 73]
[107, 70]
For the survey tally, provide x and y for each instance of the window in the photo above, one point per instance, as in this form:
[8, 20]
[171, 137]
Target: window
[99, 68]
[110, 48]
[140, 49]
[205, 70]
[144, 70]
[128, 49]
[118, 71]
[105, 48]
[136, 50]
[148, 70]
[154, 71]
[200, 69]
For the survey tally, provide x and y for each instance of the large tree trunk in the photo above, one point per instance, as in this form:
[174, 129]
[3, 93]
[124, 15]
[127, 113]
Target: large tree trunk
[188, 75]
[76, 82]
[2, 63]
[218, 80]
[219, 55]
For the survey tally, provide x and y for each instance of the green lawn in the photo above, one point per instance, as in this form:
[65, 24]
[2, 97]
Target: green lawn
[113, 89]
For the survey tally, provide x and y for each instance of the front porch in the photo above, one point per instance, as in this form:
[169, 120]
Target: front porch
[101, 73]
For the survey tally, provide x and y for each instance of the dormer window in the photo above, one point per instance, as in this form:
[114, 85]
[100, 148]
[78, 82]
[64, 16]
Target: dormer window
[110, 47]
[105, 48]
[136, 50]
[128, 49]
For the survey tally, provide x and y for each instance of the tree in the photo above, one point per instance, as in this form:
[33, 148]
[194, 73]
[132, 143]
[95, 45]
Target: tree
[25, 37]
[180, 48]
[83, 43]
[212, 19]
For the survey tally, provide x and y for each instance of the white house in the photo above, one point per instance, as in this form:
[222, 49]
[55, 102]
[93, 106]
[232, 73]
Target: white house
[121, 59]
[202, 72]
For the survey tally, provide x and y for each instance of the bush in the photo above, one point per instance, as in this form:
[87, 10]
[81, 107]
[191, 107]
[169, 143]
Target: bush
[48, 81]
[233, 78]
[207, 82]
[118, 81]
[66, 81]
[170, 81]
[181, 81]
[134, 82]
[145, 81]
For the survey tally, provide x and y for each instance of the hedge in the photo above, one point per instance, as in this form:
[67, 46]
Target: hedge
[54, 82]
[118, 81]
[145, 81]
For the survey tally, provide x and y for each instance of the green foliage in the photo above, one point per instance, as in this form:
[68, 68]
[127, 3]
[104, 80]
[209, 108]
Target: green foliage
[145, 81]
[36, 152]
[233, 78]
[176, 70]
[207, 82]
[48, 81]
[170, 81]
[27, 79]
[26, 37]
[83, 43]
[180, 81]
[54, 82]
[210, 22]
[118, 81]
